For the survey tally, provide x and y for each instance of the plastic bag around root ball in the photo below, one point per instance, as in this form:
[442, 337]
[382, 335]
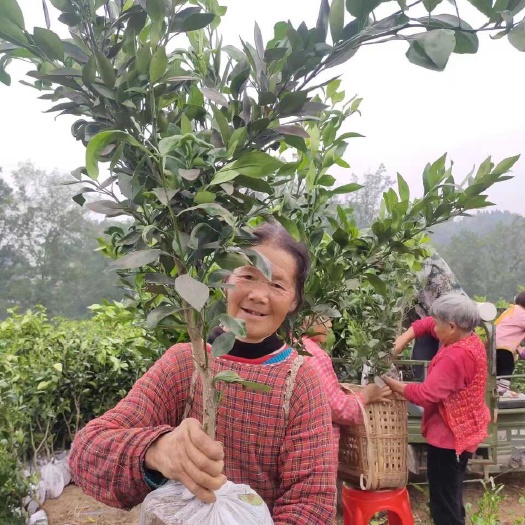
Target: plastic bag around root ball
[174, 504]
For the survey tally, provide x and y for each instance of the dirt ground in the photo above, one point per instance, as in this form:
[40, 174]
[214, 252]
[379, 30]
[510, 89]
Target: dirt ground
[75, 508]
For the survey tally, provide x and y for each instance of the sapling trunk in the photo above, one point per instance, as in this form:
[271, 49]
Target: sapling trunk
[201, 362]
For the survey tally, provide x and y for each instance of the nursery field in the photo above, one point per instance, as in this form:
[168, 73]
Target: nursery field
[488, 508]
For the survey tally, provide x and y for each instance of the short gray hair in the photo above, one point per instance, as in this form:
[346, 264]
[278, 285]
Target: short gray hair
[458, 309]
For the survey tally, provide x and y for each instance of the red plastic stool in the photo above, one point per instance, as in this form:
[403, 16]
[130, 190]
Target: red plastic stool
[360, 505]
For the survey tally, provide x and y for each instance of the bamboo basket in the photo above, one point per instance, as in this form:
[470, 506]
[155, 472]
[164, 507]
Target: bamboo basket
[374, 453]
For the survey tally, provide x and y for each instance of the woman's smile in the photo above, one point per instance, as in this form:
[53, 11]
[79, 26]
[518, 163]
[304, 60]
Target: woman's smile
[252, 312]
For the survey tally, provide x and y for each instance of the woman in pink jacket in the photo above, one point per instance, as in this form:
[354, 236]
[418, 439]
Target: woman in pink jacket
[510, 333]
[345, 408]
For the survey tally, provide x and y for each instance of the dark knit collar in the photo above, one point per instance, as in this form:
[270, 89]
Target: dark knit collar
[249, 350]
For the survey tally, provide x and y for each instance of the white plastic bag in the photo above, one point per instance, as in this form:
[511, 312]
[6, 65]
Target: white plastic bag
[53, 479]
[173, 504]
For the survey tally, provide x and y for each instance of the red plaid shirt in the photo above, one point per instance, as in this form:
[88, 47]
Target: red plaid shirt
[344, 406]
[288, 461]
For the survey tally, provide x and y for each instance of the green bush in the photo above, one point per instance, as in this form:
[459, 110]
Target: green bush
[56, 375]
[13, 487]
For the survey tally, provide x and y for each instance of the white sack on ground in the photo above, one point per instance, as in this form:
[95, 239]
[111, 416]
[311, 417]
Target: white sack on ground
[236, 504]
[53, 479]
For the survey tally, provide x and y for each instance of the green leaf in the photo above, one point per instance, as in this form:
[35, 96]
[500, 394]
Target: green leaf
[214, 96]
[234, 53]
[274, 53]
[221, 346]
[266, 98]
[432, 49]
[222, 124]
[12, 32]
[224, 175]
[361, 8]
[438, 45]
[337, 19]
[378, 284]
[297, 131]
[192, 174]
[505, 165]
[347, 188]
[105, 68]
[202, 197]
[254, 184]
[49, 43]
[229, 376]
[89, 71]
[160, 313]
[466, 41]
[402, 186]
[256, 164]
[214, 210]
[134, 260]
[164, 195]
[10, 10]
[323, 19]
[485, 6]
[193, 22]
[97, 144]
[192, 291]
[517, 36]
[58, 367]
[62, 5]
[106, 207]
[260, 261]
[237, 326]
[70, 19]
[158, 64]
[290, 225]
[5, 78]
[232, 260]
[156, 10]
[292, 103]
[142, 60]
[430, 5]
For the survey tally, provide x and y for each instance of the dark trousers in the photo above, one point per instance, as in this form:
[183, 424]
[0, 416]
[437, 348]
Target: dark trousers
[445, 482]
[425, 348]
[504, 362]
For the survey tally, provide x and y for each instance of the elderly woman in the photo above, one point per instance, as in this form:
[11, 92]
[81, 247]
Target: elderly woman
[455, 415]
[278, 442]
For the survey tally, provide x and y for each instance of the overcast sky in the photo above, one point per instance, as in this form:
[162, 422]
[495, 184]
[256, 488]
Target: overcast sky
[410, 115]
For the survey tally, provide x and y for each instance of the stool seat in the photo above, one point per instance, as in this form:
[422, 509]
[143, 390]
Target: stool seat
[359, 506]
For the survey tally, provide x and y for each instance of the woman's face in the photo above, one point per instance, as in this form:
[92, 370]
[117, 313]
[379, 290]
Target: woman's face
[447, 332]
[260, 303]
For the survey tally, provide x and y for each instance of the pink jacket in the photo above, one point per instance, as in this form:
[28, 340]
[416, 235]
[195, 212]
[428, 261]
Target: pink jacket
[345, 409]
[510, 328]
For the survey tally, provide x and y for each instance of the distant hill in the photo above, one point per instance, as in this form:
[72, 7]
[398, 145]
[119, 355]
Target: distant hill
[486, 252]
[481, 224]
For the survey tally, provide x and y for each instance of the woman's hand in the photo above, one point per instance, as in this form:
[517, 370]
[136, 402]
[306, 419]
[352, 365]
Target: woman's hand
[373, 393]
[394, 384]
[188, 455]
[403, 340]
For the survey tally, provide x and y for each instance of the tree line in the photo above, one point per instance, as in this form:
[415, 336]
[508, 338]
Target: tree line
[486, 252]
[48, 247]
